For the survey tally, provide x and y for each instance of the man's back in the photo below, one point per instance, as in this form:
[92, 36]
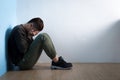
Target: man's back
[18, 44]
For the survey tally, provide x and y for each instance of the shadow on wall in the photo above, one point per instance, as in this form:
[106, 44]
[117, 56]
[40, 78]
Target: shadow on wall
[107, 45]
[7, 34]
[111, 40]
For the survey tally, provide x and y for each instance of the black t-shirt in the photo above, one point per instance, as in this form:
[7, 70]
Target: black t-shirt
[18, 43]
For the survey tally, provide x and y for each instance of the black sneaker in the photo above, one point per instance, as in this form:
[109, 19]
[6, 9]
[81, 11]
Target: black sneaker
[61, 64]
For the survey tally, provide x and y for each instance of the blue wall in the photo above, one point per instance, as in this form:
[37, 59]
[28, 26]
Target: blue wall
[7, 20]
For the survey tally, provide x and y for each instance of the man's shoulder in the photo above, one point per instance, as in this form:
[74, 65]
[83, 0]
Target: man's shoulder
[18, 28]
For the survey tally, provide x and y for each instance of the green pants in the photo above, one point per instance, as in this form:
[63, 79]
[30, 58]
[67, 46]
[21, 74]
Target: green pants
[41, 42]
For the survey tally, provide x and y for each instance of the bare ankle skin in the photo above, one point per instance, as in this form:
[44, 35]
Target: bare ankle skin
[55, 59]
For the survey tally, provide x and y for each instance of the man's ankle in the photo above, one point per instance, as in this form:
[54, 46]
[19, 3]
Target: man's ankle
[55, 59]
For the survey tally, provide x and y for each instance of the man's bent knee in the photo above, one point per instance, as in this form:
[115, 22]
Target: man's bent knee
[44, 36]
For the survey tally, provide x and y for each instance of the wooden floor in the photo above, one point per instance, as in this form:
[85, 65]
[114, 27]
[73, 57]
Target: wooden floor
[79, 71]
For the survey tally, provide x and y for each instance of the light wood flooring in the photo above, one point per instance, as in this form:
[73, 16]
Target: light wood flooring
[80, 71]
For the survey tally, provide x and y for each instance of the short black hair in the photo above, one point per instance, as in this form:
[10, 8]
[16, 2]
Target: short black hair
[38, 22]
